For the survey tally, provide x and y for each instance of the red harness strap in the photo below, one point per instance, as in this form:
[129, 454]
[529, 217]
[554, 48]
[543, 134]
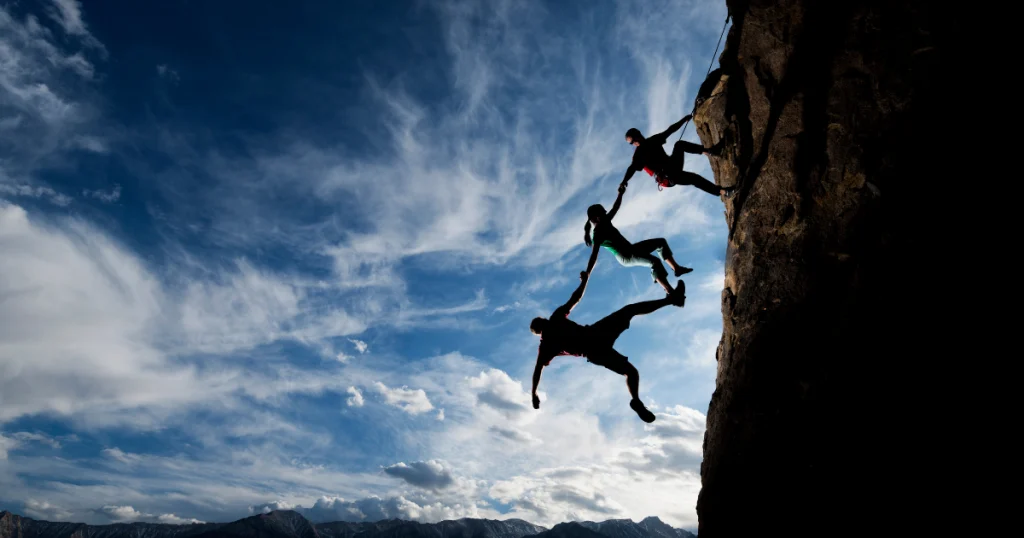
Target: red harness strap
[662, 182]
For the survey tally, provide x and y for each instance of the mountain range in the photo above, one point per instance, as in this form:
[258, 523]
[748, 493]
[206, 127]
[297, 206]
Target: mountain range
[291, 524]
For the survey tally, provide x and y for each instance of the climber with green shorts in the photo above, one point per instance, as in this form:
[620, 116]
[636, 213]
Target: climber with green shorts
[628, 254]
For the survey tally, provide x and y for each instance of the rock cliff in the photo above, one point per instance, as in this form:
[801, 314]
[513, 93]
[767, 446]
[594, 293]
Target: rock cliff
[831, 121]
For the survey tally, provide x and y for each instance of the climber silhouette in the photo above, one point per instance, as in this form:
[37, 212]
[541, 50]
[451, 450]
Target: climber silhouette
[650, 157]
[559, 335]
[628, 254]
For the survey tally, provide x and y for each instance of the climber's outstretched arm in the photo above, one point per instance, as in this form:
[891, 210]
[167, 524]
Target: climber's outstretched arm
[662, 137]
[618, 202]
[629, 173]
[574, 299]
[593, 255]
[541, 361]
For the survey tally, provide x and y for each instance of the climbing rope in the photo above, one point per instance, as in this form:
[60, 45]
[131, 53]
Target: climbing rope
[711, 63]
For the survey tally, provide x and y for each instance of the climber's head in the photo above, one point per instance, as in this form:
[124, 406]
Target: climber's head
[595, 213]
[634, 137]
[537, 325]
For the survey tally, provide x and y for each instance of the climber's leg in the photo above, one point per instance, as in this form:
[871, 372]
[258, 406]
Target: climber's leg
[631, 257]
[661, 246]
[689, 178]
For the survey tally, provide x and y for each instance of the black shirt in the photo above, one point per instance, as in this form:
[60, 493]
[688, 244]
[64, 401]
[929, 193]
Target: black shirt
[651, 154]
[563, 336]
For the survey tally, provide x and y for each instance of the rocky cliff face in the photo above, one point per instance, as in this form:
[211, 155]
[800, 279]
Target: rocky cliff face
[832, 126]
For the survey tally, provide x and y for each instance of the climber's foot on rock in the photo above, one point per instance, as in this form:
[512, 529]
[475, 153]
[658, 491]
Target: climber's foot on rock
[642, 411]
[715, 149]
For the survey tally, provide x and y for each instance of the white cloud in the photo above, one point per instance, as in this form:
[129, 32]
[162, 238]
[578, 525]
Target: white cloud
[266, 508]
[376, 509]
[361, 346]
[513, 434]
[440, 414]
[32, 437]
[45, 511]
[431, 474]
[495, 389]
[356, 398]
[121, 514]
[120, 455]
[74, 323]
[128, 514]
[172, 519]
[7, 444]
[41, 88]
[108, 197]
[412, 401]
[69, 14]
[29, 191]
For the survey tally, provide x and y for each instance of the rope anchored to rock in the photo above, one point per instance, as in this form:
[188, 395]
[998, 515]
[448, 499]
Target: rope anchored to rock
[710, 64]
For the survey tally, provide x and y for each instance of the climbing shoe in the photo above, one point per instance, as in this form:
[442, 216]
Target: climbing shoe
[678, 295]
[642, 411]
[729, 191]
[715, 149]
[680, 270]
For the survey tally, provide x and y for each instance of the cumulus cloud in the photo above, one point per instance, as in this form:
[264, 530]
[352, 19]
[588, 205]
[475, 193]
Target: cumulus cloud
[128, 514]
[376, 509]
[494, 388]
[266, 508]
[361, 346]
[412, 401]
[355, 398]
[122, 514]
[46, 511]
[431, 474]
[172, 519]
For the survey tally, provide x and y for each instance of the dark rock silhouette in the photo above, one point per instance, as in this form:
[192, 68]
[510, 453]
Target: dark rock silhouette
[831, 121]
[650, 527]
[15, 526]
[572, 529]
[292, 524]
[462, 528]
[276, 524]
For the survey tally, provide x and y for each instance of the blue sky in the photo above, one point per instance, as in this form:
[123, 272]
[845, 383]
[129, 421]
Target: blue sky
[285, 254]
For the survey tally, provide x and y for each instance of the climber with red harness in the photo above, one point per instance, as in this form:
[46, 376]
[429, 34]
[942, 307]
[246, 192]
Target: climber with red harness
[650, 157]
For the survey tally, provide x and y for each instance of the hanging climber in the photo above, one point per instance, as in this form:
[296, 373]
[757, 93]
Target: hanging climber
[559, 335]
[628, 254]
[650, 157]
